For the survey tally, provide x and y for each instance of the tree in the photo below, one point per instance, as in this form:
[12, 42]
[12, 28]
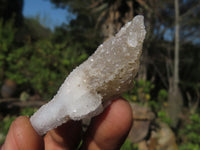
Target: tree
[175, 99]
[158, 55]
[98, 19]
[112, 15]
[12, 9]
[81, 31]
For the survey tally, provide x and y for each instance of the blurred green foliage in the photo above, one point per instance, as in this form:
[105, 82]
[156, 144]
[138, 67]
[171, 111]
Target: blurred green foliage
[129, 146]
[4, 127]
[27, 111]
[38, 60]
[190, 133]
[140, 92]
[6, 122]
[7, 33]
[42, 66]
[39, 67]
[162, 116]
[162, 95]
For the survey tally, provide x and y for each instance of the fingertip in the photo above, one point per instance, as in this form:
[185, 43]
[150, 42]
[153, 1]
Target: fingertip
[118, 120]
[122, 109]
[118, 116]
[21, 135]
[109, 129]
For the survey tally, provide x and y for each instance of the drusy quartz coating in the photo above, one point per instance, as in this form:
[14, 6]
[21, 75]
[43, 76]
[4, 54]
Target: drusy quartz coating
[103, 76]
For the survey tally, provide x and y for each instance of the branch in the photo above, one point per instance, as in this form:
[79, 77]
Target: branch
[11, 102]
[189, 12]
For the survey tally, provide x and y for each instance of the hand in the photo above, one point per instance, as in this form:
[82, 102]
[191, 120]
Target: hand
[106, 132]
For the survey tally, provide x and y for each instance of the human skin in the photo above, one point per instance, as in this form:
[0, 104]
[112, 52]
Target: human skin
[106, 132]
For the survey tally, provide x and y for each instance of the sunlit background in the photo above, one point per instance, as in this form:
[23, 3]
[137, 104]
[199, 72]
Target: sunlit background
[47, 13]
[41, 41]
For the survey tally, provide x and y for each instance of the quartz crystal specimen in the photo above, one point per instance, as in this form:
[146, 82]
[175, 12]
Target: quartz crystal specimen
[103, 76]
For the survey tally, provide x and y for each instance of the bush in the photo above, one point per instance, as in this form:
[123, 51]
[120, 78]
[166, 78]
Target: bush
[37, 67]
[27, 111]
[140, 92]
[190, 133]
[42, 66]
[7, 33]
[4, 127]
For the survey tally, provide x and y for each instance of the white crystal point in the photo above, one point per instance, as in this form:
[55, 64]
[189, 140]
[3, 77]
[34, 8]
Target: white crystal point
[105, 75]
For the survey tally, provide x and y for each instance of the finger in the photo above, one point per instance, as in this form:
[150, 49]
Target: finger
[22, 136]
[65, 137]
[109, 130]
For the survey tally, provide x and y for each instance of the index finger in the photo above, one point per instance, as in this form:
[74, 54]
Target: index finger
[109, 130]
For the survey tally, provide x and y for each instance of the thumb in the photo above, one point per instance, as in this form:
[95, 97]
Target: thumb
[22, 136]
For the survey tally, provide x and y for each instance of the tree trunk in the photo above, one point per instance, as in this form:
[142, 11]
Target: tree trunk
[175, 99]
[176, 55]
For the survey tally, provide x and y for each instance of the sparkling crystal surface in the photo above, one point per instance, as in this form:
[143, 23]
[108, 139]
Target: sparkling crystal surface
[105, 75]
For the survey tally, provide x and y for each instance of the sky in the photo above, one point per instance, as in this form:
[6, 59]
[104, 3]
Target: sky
[49, 15]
